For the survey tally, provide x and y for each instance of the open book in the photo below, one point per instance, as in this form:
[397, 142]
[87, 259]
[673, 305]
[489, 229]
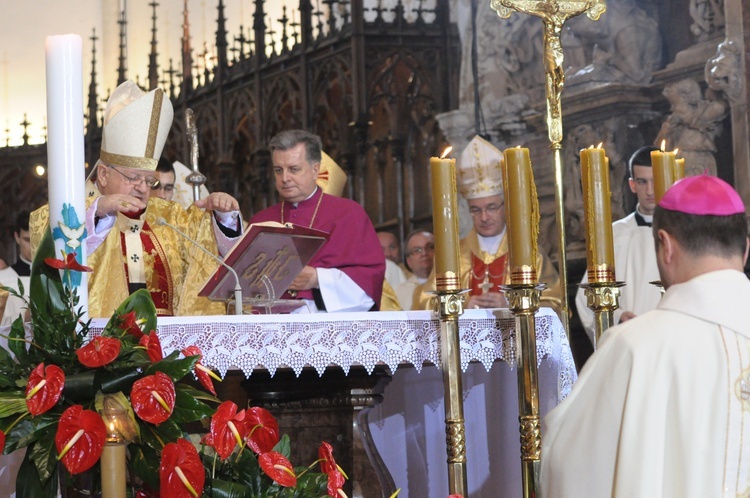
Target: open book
[267, 258]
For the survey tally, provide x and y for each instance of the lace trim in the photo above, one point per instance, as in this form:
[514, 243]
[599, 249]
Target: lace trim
[367, 339]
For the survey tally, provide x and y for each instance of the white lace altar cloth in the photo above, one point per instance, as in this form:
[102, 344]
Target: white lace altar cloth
[320, 340]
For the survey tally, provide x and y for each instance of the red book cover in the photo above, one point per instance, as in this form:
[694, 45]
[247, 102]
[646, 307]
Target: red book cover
[266, 258]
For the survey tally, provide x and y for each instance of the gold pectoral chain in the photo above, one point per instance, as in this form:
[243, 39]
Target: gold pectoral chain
[315, 213]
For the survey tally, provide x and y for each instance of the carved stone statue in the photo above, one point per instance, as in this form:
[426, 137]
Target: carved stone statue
[708, 18]
[723, 70]
[693, 126]
[624, 46]
[508, 56]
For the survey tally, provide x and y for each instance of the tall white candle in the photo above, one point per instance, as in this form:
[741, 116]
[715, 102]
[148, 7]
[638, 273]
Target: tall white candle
[65, 157]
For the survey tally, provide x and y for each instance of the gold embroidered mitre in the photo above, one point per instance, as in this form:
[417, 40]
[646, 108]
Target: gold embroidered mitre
[136, 125]
[478, 171]
[331, 178]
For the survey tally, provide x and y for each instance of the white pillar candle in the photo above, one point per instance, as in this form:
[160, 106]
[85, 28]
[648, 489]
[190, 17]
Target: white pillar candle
[65, 157]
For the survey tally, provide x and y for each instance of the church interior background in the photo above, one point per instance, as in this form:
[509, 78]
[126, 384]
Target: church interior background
[389, 83]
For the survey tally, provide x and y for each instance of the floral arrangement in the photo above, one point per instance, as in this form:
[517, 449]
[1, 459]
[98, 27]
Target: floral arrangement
[55, 382]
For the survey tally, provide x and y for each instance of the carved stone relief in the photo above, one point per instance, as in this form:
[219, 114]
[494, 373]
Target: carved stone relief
[708, 18]
[693, 126]
[624, 46]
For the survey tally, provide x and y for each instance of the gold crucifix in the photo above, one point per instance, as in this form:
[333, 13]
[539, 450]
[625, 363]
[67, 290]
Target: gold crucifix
[486, 285]
[553, 14]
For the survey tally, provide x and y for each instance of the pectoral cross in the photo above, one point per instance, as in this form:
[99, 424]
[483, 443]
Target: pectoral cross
[486, 285]
[553, 14]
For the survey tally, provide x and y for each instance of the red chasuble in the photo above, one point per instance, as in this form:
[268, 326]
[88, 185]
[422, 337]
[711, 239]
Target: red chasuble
[489, 277]
[352, 246]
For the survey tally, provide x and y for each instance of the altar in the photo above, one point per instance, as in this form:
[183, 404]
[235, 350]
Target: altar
[401, 431]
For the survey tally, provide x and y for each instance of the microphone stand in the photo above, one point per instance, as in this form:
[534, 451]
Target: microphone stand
[237, 288]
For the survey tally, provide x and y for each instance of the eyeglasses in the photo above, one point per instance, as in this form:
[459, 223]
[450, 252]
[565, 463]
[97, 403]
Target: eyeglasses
[491, 209]
[419, 250]
[150, 181]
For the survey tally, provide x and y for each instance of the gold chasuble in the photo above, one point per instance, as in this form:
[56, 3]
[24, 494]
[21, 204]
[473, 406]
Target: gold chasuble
[139, 251]
[484, 272]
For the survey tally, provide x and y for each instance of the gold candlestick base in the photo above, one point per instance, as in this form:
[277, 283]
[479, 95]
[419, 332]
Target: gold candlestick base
[603, 298]
[448, 307]
[523, 301]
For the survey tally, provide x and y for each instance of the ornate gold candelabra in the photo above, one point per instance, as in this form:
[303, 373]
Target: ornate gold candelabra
[523, 301]
[553, 14]
[603, 298]
[449, 307]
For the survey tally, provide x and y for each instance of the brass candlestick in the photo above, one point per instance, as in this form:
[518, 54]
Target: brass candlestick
[449, 307]
[553, 14]
[603, 298]
[523, 301]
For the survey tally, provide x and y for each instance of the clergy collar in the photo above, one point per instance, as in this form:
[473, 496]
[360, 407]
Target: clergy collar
[296, 204]
[643, 220]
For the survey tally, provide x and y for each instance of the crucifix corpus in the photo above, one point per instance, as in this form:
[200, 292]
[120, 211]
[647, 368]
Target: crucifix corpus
[522, 301]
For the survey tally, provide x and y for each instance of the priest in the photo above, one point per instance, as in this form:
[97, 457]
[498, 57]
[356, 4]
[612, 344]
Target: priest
[347, 273]
[661, 408]
[127, 245]
[484, 251]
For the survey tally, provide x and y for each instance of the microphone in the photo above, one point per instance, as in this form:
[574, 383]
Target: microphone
[237, 289]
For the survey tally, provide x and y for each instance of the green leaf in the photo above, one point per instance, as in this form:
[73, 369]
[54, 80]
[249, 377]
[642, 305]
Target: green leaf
[173, 367]
[144, 462]
[157, 436]
[187, 407]
[44, 455]
[17, 341]
[112, 381]
[46, 289]
[80, 387]
[27, 432]
[140, 301]
[12, 404]
[283, 446]
[227, 489]
[30, 485]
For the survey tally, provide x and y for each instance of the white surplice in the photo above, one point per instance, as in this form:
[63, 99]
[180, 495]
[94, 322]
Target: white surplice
[662, 408]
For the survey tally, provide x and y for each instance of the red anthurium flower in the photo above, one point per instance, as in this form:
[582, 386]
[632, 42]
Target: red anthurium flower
[278, 468]
[99, 351]
[181, 471]
[335, 483]
[153, 397]
[325, 455]
[227, 429]
[69, 263]
[2, 441]
[153, 346]
[262, 430]
[129, 323]
[204, 374]
[455, 496]
[80, 438]
[44, 388]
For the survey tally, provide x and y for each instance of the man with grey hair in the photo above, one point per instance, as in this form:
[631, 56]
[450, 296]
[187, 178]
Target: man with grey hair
[347, 273]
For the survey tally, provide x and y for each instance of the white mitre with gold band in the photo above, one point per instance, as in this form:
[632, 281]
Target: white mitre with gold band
[136, 125]
[331, 178]
[478, 170]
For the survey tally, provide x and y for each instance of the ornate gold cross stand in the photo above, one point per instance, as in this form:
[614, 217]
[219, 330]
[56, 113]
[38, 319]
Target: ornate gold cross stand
[553, 14]
[603, 298]
[523, 301]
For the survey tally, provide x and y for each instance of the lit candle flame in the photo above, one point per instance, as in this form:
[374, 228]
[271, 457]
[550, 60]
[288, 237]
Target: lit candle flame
[446, 152]
[664, 145]
[600, 145]
[675, 151]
